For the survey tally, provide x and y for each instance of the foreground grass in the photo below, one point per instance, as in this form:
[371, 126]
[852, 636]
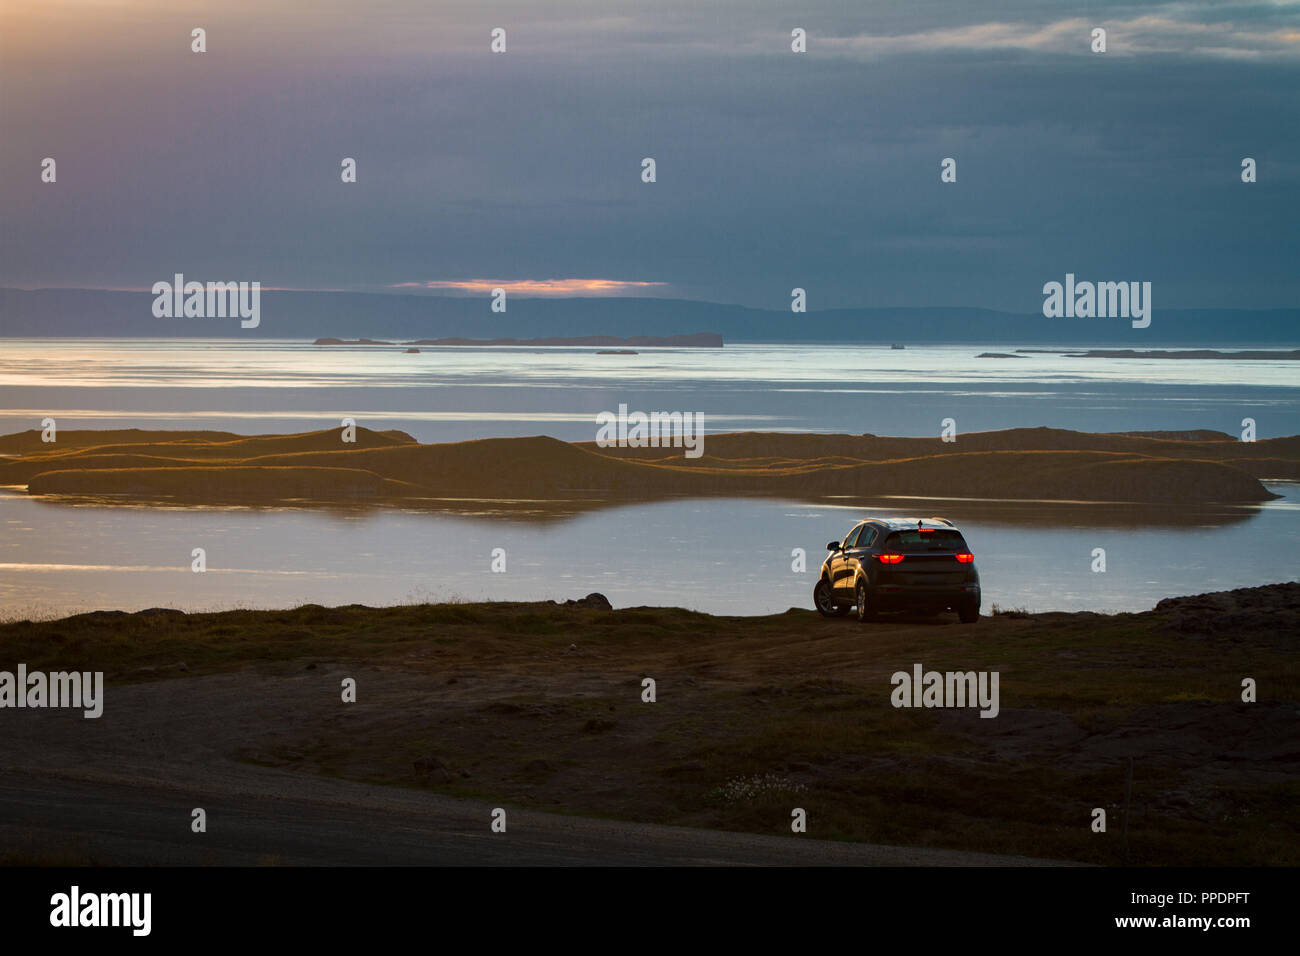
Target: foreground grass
[540, 705]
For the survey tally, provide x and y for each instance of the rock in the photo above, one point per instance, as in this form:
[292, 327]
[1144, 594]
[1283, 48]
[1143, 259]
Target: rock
[429, 764]
[1270, 610]
[595, 599]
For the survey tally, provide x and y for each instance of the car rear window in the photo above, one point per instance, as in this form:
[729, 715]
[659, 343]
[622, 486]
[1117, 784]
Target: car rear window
[913, 542]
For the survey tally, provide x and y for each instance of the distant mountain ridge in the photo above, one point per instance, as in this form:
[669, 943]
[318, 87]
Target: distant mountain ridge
[312, 315]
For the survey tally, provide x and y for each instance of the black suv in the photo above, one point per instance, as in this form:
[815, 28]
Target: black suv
[895, 564]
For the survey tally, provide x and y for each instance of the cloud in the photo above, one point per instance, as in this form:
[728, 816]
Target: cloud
[1170, 30]
[539, 287]
[775, 170]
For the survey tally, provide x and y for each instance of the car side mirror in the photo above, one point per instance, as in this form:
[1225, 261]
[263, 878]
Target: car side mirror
[834, 546]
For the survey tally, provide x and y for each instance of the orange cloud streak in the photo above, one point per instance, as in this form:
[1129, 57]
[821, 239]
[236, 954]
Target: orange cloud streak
[537, 286]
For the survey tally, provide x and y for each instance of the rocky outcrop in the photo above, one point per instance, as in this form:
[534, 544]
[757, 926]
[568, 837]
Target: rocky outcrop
[1273, 609]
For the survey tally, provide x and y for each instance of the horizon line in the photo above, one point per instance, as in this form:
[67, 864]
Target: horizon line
[402, 291]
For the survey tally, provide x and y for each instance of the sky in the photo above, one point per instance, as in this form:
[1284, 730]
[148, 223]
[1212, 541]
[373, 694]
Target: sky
[774, 169]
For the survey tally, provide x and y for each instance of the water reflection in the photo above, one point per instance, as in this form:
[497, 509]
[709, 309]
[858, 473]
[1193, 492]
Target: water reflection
[722, 555]
[1009, 512]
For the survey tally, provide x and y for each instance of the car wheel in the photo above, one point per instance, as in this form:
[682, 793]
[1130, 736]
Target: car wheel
[824, 601]
[866, 612]
[969, 612]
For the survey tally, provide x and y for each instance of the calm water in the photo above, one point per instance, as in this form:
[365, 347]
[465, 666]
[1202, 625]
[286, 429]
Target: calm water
[724, 556]
[457, 393]
[730, 556]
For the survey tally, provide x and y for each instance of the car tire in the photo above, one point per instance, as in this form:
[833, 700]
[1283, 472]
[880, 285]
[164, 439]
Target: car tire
[824, 601]
[866, 610]
[969, 612]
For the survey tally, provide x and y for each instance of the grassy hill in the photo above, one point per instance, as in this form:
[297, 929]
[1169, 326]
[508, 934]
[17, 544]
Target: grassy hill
[1030, 464]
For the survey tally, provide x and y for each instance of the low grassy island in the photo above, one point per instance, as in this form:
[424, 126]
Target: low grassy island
[1035, 464]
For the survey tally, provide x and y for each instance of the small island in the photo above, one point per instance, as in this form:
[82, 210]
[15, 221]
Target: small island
[696, 340]
[1254, 355]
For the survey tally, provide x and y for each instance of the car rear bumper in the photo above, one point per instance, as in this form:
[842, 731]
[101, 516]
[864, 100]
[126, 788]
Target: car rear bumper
[917, 595]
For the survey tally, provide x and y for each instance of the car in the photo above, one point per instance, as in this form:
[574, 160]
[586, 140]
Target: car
[899, 564]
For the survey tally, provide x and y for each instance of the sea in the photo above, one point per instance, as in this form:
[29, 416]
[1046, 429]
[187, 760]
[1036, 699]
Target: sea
[723, 556]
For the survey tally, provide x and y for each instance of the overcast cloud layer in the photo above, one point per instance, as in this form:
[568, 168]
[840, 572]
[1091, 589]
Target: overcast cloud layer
[775, 169]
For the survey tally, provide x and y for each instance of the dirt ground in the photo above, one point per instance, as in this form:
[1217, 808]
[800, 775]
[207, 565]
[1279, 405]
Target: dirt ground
[539, 706]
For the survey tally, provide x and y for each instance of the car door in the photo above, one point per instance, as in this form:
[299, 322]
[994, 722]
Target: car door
[868, 547]
[841, 564]
[853, 556]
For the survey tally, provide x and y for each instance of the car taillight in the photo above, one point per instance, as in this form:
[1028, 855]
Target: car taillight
[889, 558]
[966, 558]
